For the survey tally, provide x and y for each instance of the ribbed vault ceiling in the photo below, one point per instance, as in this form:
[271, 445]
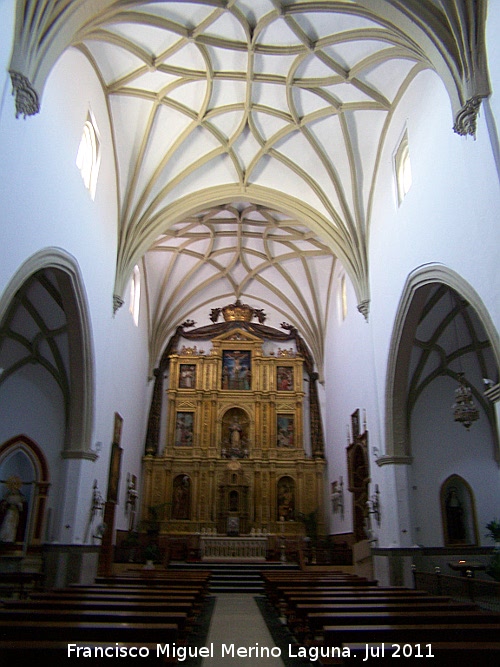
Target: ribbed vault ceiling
[216, 106]
[248, 252]
[283, 96]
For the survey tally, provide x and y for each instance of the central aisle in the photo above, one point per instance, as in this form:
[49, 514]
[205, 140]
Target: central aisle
[236, 620]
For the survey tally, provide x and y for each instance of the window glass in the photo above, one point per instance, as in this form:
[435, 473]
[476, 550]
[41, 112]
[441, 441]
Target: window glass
[403, 169]
[88, 157]
[135, 294]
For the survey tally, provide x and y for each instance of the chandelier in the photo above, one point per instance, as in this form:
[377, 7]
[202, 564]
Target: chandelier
[464, 409]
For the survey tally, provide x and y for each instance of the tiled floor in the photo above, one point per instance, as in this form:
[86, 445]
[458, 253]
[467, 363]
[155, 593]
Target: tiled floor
[238, 623]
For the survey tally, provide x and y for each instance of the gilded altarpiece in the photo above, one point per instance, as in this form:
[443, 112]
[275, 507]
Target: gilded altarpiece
[241, 464]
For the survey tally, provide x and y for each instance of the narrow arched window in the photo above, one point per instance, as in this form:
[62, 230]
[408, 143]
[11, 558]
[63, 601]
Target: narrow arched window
[88, 158]
[135, 294]
[402, 167]
[343, 293]
[342, 298]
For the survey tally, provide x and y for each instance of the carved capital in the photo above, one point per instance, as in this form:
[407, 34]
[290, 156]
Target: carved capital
[117, 302]
[364, 308]
[27, 103]
[465, 122]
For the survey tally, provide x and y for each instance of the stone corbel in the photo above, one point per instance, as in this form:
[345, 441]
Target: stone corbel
[466, 118]
[364, 308]
[385, 460]
[117, 303]
[27, 102]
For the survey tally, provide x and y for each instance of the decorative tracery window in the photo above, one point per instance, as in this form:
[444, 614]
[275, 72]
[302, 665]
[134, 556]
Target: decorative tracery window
[88, 158]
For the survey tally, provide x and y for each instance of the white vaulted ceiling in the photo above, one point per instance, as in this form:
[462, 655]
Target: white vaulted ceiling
[267, 259]
[247, 136]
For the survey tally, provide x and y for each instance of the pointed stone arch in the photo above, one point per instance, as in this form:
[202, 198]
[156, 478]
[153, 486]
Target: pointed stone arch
[80, 415]
[191, 204]
[398, 447]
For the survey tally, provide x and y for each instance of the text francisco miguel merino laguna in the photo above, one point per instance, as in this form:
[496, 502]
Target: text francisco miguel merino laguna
[232, 650]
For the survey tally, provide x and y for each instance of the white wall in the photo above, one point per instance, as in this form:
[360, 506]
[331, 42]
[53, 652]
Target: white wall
[491, 110]
[442, 448]
[349, 385]
[45, 204]
[449, 216]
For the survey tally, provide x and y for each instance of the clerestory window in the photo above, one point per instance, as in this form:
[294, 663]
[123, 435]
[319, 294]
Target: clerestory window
[88, 158]
[402, 167]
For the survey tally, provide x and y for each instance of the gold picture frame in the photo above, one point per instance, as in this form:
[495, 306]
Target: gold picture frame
[115, 460]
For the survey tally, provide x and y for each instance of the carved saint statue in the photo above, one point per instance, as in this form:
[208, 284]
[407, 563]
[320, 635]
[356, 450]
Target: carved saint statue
[13, 505]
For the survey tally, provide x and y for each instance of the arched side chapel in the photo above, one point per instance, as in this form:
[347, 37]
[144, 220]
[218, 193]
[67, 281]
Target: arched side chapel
[25, 481]
[209, 195]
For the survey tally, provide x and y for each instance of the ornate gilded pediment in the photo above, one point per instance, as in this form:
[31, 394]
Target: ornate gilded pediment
[237, 336]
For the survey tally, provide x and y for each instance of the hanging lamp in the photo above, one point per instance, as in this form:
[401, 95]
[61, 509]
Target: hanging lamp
[464, 409]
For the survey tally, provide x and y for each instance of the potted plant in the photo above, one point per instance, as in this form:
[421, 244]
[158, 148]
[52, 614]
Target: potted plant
[152, 554]
[493, 528]
[493, 569]
[129, 545]
[310, 522]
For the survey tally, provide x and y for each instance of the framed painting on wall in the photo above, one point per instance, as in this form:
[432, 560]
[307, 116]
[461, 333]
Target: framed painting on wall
[284, 378]
[285, 431]
[187, 376]
[184, 429]
[114, 472]
[115, 460]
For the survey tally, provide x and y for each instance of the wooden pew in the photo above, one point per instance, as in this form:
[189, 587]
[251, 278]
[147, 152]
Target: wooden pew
[300, 612]
[416, 654]
[359, 591]
[20, 582]
[317, 621]
[150, 580]
[424, 633]
[289, 597]
[273, 581]
[13, 652]
[305, 604]
[113, 595]
[15, 630]
[133, 614]
[344, 613]
[125, 605]
[80, 614]
[276, 592]
[95, 616]
[307, 622]
[332, 594]
[303, 610]
[116, 594]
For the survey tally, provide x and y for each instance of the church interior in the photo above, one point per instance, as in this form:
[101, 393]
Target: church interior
[249, 288]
